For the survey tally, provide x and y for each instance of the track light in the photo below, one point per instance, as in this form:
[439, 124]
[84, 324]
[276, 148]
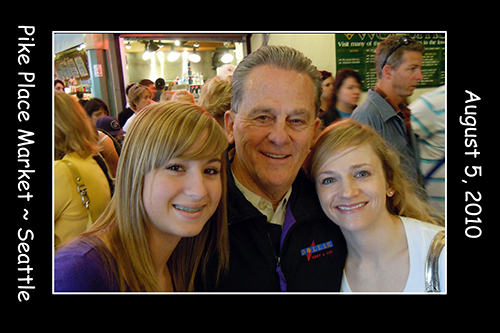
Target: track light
[149, 50]
[227, 58]
[194, 57]
[173, 55]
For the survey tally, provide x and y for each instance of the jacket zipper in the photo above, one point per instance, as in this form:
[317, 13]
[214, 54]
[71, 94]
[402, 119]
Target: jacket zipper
[278, 256]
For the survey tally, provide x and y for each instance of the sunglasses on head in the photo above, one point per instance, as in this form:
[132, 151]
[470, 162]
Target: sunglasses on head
[405, 40]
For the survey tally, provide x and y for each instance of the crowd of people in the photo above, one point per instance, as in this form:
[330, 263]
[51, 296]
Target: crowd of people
[258, 186]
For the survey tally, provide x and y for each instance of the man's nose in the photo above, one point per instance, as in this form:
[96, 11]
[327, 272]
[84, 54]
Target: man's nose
[279, 133]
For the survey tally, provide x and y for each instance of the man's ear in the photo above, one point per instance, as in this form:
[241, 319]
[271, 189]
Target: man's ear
[386, 71]
[229, 124]
[317, 124]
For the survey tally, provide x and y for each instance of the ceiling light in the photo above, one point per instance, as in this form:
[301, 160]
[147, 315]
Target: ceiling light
[173, 55]
[227, 58]
[146, 55]
[194, 57]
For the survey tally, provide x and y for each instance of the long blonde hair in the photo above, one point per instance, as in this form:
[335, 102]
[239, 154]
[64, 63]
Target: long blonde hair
[348, 133]
[73, 130]
[160, 132]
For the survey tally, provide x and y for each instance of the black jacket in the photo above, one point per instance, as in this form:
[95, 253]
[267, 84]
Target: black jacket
[313, 254]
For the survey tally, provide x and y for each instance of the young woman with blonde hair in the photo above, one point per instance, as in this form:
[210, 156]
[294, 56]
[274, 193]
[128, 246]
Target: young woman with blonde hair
[168, 213]
[75, 142]
[362, 188]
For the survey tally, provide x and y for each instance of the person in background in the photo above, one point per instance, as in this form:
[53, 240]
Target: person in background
[215, 97]
[398, 61]
[428, 122]
[167, 96]
[76, 142]
[346, 90]
[168, 214]
[59, 85]
[275, 220]
[327, 95]
[138, 97]
[160, 87]
[127, 112]
[183, 95]
[111, 127]
[96, 108]
[364, 191]
[150, 84]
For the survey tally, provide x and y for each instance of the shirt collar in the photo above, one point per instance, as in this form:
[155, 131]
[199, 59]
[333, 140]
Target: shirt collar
[401, 109]
[265, 206]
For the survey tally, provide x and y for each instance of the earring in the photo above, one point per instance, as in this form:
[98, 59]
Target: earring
[391, 193]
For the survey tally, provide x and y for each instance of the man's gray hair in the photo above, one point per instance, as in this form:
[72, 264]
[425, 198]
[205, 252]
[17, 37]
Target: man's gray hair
[282, 57]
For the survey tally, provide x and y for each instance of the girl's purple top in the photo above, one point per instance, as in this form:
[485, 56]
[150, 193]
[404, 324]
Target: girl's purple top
[78, 267]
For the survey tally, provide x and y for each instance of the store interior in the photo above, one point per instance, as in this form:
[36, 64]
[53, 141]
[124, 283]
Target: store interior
[170, 59]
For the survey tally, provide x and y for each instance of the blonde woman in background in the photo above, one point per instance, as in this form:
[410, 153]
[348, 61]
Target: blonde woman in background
[75, 141]
[184, 96]
[215, 97]
[362, 188]
[168, 214]
[138, 98]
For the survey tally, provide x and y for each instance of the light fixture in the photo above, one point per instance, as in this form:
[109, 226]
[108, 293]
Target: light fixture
[173, 55]
[227, 57]
[128, 46]
[149, 50]
[80, 47]
[146, 55]
[194, 57]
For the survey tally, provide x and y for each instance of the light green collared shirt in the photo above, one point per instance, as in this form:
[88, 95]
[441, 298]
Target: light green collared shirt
[265, 206]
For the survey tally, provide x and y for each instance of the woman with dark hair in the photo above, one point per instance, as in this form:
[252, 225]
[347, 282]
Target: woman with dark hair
[327, 96]
[346, 92]
[96, 108]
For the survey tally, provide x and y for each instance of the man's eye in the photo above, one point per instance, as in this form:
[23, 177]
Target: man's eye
[263, 120]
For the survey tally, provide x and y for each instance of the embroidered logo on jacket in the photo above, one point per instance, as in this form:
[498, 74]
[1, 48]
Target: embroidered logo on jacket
[309, 251]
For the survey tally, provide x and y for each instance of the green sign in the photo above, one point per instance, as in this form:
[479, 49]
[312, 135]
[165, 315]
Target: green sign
[357, 51]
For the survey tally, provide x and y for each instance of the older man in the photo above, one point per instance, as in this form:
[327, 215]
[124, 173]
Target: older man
[280, 238]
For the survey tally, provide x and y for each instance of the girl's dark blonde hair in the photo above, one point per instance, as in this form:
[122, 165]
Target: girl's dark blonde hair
[159, 133]
[348, 133]
[73, 130]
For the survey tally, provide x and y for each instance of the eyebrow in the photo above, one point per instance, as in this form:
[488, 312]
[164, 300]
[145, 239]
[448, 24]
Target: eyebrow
[357, 166]
[214, 160]
[352, 167]
[294, 112]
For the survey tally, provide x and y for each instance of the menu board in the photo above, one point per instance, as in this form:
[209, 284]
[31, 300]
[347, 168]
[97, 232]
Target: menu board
[357, 51]
[71, 66]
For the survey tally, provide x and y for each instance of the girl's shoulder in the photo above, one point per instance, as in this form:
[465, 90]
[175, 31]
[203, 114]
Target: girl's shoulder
[79, 267]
